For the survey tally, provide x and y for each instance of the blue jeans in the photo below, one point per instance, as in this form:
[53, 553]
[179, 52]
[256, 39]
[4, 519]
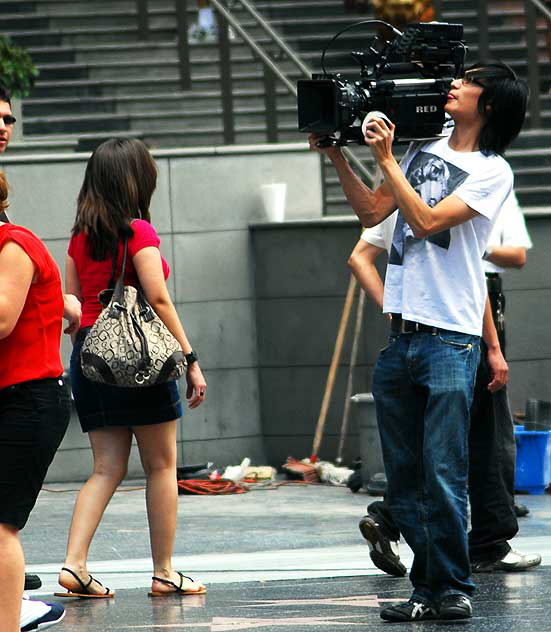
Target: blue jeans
[423, 388]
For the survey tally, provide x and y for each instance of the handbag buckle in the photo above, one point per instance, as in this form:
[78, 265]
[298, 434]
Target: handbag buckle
[142, 376]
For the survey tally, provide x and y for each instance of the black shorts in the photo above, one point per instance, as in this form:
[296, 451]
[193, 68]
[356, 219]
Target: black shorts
[33, 419]
[105, 406]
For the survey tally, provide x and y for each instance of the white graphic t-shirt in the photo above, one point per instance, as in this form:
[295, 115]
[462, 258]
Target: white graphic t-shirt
[509, 230]
[439, 280]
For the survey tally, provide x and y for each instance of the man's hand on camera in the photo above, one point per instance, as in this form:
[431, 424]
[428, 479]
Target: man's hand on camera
[379, 135]
[498, 368]
[314, 140]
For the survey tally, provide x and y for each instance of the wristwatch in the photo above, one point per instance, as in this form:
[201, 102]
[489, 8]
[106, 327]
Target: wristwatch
[191, 357]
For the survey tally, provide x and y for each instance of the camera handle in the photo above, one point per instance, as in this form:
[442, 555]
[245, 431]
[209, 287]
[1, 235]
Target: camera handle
[326, 141]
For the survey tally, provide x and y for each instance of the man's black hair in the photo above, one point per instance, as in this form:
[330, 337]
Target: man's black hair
[502, 103]
[5, 94]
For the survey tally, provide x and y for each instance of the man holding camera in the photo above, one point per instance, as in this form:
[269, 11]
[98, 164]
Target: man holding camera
[492, 451]
[448, 193]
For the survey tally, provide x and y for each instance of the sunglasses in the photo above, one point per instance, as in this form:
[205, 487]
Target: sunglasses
[8, 119]
[468, 79]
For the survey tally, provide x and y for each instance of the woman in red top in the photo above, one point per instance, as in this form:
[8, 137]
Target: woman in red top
[113, 203]
[34, 402]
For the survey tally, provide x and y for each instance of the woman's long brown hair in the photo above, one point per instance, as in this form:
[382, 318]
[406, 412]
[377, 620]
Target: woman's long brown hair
[118, 184]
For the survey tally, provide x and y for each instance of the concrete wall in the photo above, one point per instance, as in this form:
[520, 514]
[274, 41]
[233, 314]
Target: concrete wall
[263, 312]
[202, 208]
[301, 282]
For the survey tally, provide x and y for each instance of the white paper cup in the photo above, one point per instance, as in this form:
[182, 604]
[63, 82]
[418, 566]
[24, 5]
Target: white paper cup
[273, 198]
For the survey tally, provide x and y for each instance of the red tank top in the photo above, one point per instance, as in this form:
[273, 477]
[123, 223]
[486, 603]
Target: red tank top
[31, 351]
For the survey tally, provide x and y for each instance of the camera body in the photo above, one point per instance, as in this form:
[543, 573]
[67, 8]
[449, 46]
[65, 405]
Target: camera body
[408, 81]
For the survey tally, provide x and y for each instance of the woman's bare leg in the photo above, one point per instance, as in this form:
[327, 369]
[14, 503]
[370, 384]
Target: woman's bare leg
[12, 578]
[157, 445]
[111, 449]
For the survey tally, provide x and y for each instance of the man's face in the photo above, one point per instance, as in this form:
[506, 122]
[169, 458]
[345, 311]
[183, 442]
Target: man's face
[5, 130]
[463, 96]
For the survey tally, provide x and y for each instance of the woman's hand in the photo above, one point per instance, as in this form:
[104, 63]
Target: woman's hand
[379, 135]
[72, 312]
[196, 386]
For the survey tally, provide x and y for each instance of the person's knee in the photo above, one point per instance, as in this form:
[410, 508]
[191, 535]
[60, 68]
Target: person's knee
[113, 471]
[159, 464]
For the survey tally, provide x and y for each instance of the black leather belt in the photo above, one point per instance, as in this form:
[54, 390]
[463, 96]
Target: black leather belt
[400, 326]
[493, 282]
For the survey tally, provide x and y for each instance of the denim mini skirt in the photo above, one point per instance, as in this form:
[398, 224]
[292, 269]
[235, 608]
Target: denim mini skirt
[101, 405]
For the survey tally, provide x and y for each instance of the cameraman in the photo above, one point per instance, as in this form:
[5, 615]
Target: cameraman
[448, 192]
[491, 438]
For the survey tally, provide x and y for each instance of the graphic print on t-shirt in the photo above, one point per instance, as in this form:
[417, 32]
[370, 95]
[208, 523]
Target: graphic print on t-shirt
[433, 179]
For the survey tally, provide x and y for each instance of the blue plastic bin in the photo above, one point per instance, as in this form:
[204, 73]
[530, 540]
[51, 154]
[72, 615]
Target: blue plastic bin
[533, 466]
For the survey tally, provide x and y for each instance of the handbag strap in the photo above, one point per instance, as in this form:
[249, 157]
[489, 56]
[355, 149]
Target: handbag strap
[117, 301]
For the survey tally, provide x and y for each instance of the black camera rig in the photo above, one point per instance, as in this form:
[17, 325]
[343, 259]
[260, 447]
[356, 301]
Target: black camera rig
[407, 78]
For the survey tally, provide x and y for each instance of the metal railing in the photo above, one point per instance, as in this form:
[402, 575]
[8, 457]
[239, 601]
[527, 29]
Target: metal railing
[273, 73]
[531, 8]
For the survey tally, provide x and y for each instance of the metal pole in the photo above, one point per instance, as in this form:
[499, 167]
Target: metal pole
[270, 100]
[533, 65]
[350, 380]
[182, 24]
[221, 9]
[483, 25]
[226, 80]
[143, 26]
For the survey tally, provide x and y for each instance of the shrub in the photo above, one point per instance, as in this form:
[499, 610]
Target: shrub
[17, 71]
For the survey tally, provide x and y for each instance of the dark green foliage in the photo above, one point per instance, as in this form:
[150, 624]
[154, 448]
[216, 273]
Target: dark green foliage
[17, 71]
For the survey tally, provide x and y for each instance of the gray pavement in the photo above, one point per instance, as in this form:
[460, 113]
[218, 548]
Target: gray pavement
[289, 558]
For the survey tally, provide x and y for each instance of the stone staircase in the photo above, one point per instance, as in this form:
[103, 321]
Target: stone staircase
[97, 79]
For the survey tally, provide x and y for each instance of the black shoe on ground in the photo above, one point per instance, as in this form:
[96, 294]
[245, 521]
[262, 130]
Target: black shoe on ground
[381, 548]
[412, 610]
[521, 510]
[455, 607]
[32, 582]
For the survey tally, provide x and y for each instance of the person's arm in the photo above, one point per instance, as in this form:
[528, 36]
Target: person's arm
[72, 300]
[362, 263]
[423, 219]
[371, 207]
[506, 256]
[72, 282]
[148, 265]
[16, 275]
[72, 312]
[498, 366]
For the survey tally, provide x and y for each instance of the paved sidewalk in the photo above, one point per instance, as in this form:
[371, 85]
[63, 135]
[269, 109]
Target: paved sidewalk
[285, 559]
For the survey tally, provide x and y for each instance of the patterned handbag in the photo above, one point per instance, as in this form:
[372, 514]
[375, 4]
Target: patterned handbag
[129, 345]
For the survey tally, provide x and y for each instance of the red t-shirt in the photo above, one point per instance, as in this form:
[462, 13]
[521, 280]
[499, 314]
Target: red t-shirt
[94, 275]
[31, 351]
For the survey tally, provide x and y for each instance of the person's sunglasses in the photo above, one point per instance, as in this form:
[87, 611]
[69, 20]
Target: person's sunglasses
[469, 79]
[9, 119]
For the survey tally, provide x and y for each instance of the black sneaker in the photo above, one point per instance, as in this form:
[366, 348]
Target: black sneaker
[381, 548]
[32, 582]
[455, 607]
[412, 610]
